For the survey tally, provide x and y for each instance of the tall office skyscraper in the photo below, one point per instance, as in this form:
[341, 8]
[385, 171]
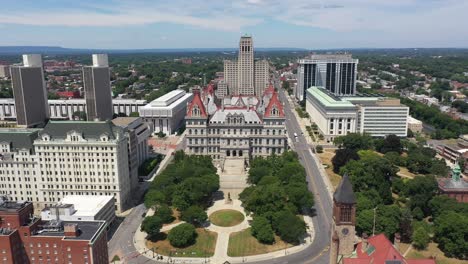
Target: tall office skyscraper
[246, 76]
[334, 72]
[96, 79]
[29, 92]
[245, 66]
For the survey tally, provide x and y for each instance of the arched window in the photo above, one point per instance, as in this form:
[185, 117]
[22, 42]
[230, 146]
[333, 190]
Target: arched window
[196, 111]
[274, 111]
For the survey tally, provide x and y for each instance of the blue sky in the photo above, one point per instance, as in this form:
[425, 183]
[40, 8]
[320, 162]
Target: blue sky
[311, 24]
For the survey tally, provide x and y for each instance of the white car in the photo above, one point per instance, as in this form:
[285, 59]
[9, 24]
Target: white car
[295, 134]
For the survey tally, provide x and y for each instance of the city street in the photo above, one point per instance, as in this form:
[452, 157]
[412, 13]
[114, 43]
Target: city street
[317, 252]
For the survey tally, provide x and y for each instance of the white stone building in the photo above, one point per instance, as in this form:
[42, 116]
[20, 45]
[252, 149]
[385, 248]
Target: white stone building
[64, 109]
[166, 113]
[338, 116]
[242, 127]
[333, 116]
[65, 158]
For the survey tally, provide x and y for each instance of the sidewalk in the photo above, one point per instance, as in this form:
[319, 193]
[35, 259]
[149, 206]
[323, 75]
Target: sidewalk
[222, 241]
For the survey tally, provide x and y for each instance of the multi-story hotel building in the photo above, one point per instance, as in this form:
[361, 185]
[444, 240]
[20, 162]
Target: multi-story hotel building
[246, 76]
[28, 239]
[335, 116]
[29, 92]
[335, 72]
[65, 158]
[242, 127]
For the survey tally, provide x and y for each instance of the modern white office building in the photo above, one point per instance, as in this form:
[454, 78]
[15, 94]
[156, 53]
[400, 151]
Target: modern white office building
[380, 116]
[335, 72]
[166, 114]
[81, 208]
[246, 76]
[338, 116]
[65, 158]
[334, 117]
[64, 109]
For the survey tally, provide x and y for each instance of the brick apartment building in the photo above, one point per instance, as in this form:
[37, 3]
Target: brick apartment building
[27, 239]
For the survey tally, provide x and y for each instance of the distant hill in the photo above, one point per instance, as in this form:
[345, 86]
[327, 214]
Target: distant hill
[12, 50]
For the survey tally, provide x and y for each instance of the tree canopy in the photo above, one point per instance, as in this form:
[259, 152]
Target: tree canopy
[279, 185]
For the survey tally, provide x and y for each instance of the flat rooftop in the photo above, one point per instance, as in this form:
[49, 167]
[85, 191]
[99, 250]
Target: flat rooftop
[87, 205]
[124, 121]
[79, 101]
[168, 98]
[11, 206]
[166, 105]
[327, 99]
[87, 229]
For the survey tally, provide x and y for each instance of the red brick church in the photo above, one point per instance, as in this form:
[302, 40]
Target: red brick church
[346, 249]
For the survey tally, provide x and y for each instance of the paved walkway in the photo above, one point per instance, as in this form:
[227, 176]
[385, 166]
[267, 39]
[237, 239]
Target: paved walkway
[222, 242]
[233, 179]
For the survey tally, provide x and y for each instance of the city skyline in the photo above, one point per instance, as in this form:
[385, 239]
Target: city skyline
[217, 24]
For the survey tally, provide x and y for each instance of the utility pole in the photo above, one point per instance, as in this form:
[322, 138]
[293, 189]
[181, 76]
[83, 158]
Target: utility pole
[373, 228]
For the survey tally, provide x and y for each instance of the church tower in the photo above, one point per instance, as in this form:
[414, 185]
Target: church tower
[344, 216]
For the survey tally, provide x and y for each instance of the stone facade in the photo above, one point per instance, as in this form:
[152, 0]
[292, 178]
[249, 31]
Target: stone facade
[241, 127]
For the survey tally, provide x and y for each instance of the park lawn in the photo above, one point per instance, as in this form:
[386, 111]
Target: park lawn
[326, 158]
[226, 218]
[433, 250]
[203, 247]
[244, 244]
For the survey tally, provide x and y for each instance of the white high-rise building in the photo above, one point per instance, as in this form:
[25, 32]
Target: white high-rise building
[245, 76]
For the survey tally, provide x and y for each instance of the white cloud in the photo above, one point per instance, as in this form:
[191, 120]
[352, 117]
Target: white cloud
[418, 19]
[128, 14]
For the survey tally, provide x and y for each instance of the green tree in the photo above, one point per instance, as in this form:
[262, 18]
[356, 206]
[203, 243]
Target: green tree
[371, 172]
[420, 190]
[262, 231]
[153, 198]
[420, 238]
[391, 143]
[257, 173]
[451, 231]
[151, 225]
[406, 228]
[354, 141]
[288, 226]
[342, 157]
[134, 114]
[194, 215]
[164, 212]
[365, 221]
[182, 235]
[319, 149]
